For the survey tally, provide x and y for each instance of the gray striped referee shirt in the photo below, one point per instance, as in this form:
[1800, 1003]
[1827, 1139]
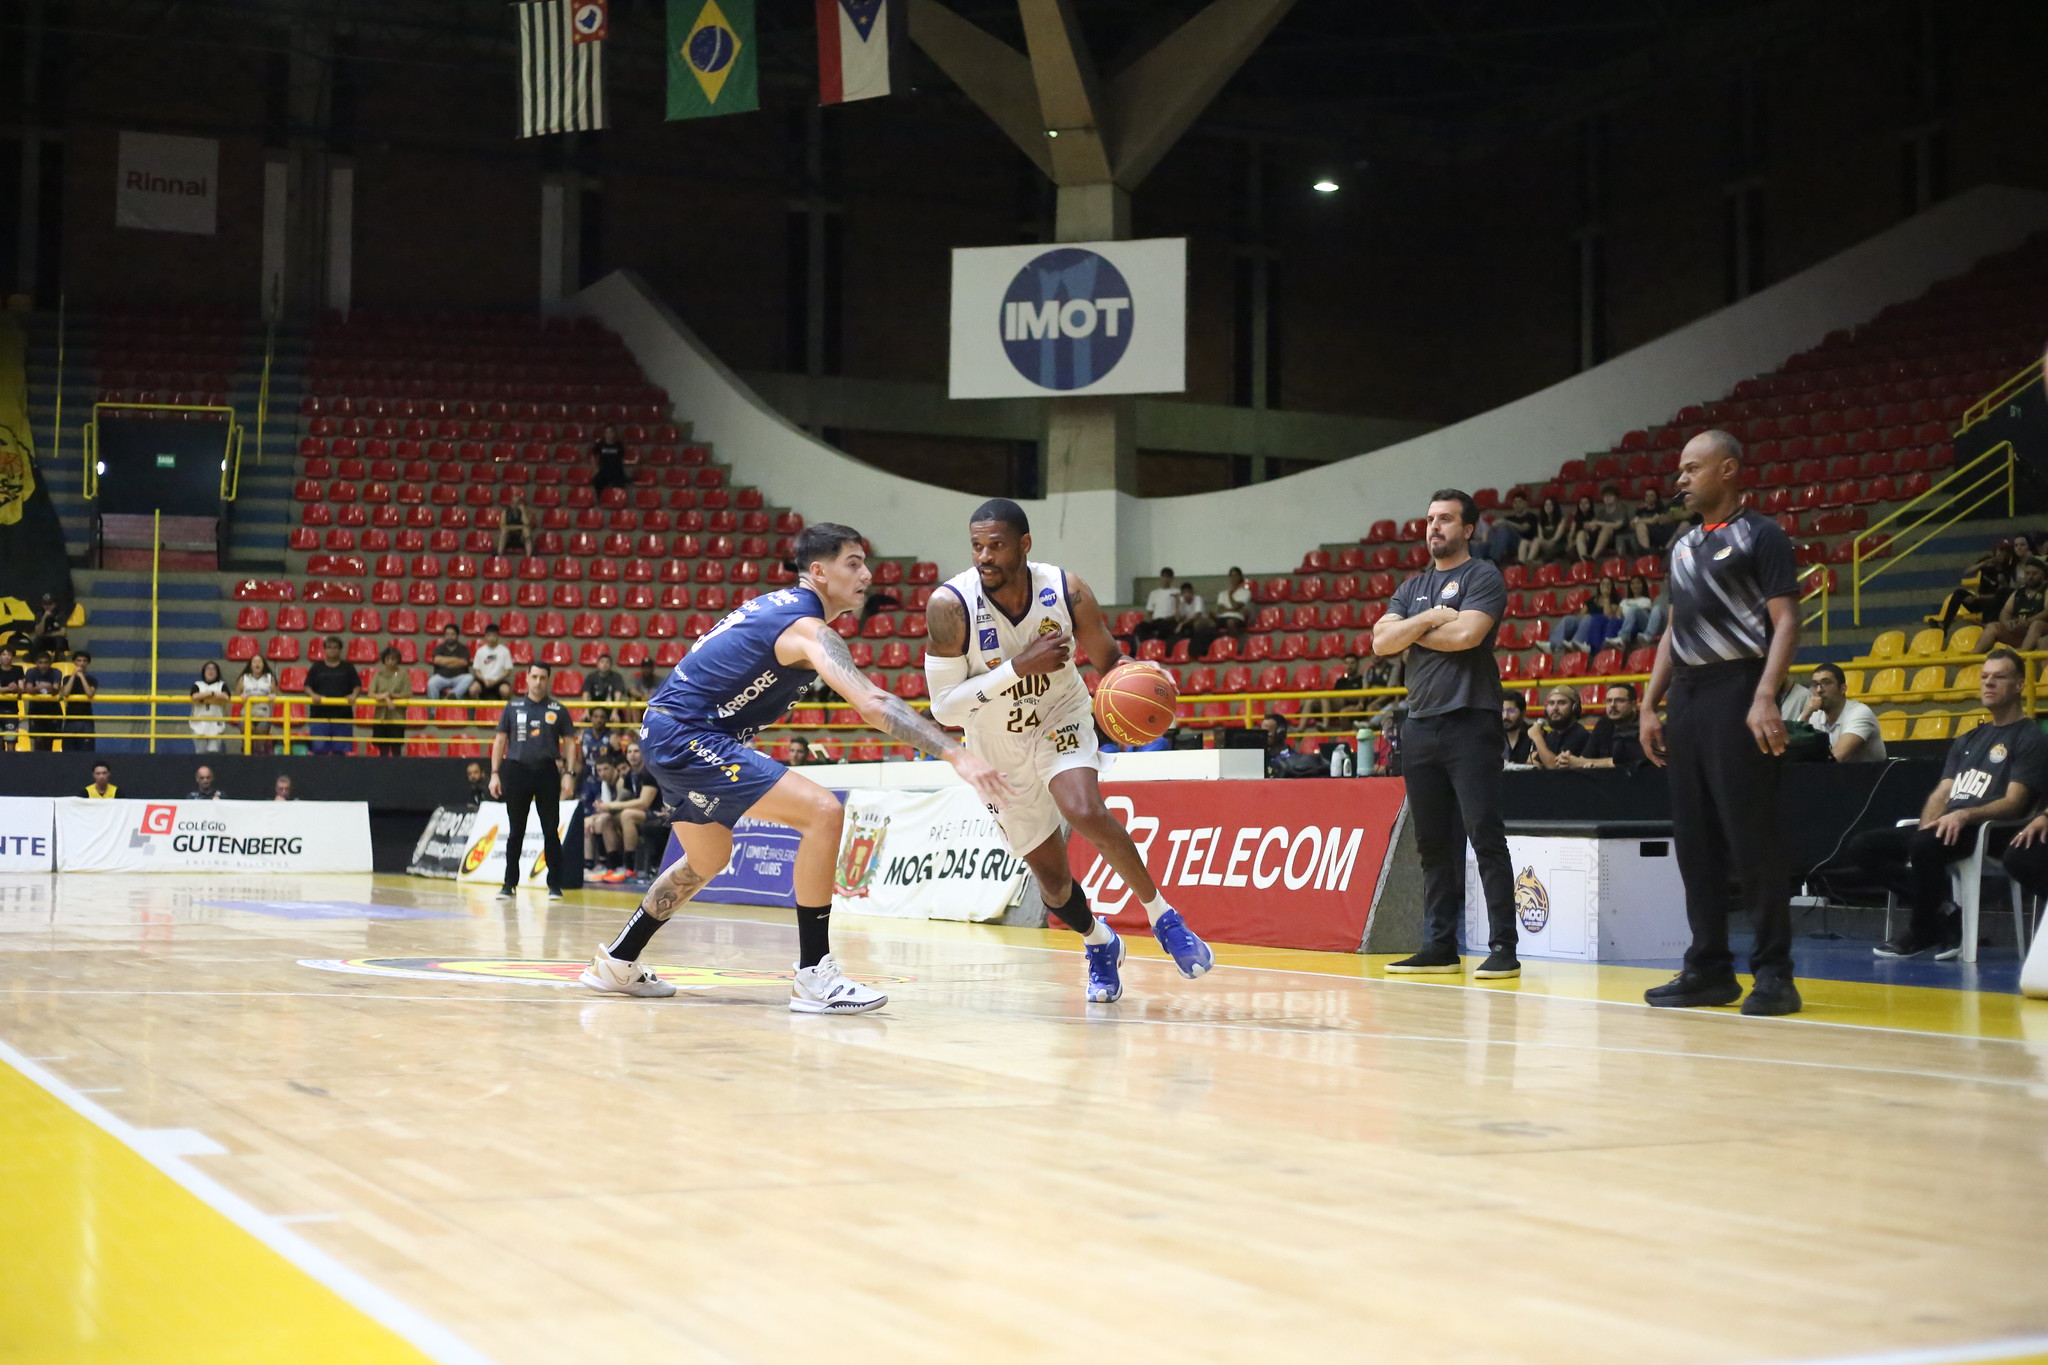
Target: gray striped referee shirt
[1721, 582]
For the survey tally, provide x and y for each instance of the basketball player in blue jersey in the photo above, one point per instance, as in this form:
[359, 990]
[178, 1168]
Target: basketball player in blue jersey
[999, 663]
[743, 675]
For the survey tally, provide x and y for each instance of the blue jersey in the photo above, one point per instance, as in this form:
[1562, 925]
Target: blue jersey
[730, 681]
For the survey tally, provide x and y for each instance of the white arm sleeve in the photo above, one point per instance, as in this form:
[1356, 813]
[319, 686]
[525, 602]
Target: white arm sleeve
[955, 696]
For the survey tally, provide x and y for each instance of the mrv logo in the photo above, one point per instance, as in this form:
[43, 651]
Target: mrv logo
[1067, 319]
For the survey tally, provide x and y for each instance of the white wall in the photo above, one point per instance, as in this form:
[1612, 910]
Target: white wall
[1108, 538]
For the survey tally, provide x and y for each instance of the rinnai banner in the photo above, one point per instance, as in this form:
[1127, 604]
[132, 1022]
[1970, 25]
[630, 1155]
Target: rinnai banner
[442, 844]
[1285, 865]
[212, 836]
[167, 184]
[924, 855]
[762, 870]
[483, 859]
[1079, 318]
[28, 840]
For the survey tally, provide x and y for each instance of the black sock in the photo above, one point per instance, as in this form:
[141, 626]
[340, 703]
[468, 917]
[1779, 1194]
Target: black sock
[1075, 914]
[813, 934]
[632, 939]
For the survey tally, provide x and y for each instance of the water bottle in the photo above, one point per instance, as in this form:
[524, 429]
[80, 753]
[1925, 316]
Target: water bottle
[1365, 748]
[1340, 761]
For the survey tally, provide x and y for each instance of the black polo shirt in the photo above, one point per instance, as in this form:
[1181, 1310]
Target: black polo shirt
[1722, 580]
[534, 730]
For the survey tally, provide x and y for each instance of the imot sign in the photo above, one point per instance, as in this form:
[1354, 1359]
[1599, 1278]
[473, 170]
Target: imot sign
[1089, 318]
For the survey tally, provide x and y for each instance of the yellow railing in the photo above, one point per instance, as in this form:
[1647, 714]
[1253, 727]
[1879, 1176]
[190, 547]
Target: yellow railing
[1967, 488]
[263, 386]
[1981, 409]
[1823, 585]
[57, 422]
[231, 454]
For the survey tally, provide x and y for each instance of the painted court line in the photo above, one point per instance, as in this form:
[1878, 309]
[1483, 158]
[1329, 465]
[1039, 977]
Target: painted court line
[2009, 1349]
[167, 1151]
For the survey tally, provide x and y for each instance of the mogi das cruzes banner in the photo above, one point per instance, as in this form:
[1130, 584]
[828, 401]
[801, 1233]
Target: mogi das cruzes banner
[924, 855]
[1078, 318]
[212, 836]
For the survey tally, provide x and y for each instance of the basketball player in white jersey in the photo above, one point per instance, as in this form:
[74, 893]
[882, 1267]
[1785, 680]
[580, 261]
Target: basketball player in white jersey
[999, 664]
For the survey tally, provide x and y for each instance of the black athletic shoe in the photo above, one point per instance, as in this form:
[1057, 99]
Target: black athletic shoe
[1496, 966]
[1690, 989]
[1441, 961]
[1905, 945]
[1772, 995]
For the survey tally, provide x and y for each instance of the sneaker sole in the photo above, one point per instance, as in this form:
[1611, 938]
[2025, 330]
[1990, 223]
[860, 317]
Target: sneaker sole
[1771, 1013]
[1448, 969]
[598, 983]
[1695, 1002]
[1896, 957]
[801, 1006]
[1948, 954]
[1480, 973]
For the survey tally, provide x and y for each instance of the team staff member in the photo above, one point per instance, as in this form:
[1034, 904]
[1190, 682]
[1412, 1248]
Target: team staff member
[532, 754]
[1722, 659]
[1452, 741]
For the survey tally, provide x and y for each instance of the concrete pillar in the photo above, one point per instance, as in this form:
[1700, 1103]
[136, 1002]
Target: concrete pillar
[1091, 443]
[31, 190]
[561, 202]
[341, 217]
[276, 193]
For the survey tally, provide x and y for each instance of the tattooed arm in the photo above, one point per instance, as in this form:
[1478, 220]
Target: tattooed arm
[812, 641]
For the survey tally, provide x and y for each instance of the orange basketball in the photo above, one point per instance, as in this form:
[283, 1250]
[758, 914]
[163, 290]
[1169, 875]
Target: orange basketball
[1134, 705]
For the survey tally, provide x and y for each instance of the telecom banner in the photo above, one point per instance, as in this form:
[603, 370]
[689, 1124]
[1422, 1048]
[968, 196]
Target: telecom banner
[212, 836]
[483, 860]
[1282, 864]
[1080, 318]
[924, 855]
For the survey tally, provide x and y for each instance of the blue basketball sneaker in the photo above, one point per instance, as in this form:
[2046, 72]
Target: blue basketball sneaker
[1105, 987]
[1188, 952]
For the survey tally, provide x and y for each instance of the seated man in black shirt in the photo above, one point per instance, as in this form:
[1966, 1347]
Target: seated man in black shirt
[1995, 772]
[1520, 750]
[2022, 618]
[1613, 742]
[1559, 735]
[1350, 709]
[604, 683]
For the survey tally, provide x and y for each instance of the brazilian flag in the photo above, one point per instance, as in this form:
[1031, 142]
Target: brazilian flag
[713, 58]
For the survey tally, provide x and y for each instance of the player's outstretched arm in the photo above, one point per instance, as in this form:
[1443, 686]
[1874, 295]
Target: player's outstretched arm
[827, 653]
[1091, 632]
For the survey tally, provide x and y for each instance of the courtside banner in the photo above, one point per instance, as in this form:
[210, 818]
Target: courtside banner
[762, 870]
[483, 859]
[923, 855]
[1281, 864]
[212, 836]
[442, 844]
[1076, 318]
[28, 840]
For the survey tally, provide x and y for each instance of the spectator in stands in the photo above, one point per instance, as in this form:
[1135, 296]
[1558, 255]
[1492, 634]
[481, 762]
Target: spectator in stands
[479, 784]
[452, 676]
[2021, 618]
[611, 461]
[1994, 772]
[80, 687]
[1794, 699]
[1519, 750]
[331, 720]
[644, 682]
[1389, 670]
[49, 633]
[1613, 741]
[202, 785]
[1651, 523]
[492, 664]
[281, 790]
[1162, 610]
[43, 713]
[255, 687]
[1851, 727]
[596, 738]
[1550, 536]
[1984, 587]
[1594, 628]
[639, 821]
[1233, 603]
[1191, 620]
[1512, 530]
[1386, 744]
[11, 675]
[209, 710]
[390, 689]
[102, 787]
[1559, 735]
[1642, 615]
[604, 683]
[799, 753]
[1597, 529]
[1278, 746]
[1328, 708]
[515, 532]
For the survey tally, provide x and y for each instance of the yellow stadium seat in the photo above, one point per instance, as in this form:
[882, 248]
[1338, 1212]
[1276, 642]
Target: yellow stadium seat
[1889, 645]
[1964, 687]
[1852, 681]
[1888, 683]
[1926, 682]
[1964, 641]
[1934, 725]
[1926, 643]
[1891, 725]
[1969, 721]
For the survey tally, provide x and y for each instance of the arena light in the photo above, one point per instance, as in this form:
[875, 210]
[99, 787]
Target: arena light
[99, 467]
[1325, 186]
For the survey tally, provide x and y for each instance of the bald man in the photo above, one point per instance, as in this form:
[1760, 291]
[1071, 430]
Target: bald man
[1734, 626]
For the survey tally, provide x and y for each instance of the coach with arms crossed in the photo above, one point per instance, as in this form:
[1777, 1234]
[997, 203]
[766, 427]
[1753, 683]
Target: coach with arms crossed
[1734, 626]
[1452, 740]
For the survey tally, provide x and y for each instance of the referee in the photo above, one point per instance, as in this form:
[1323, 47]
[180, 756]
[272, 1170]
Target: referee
[1733, 628]
[532, 753]
[1452, 741]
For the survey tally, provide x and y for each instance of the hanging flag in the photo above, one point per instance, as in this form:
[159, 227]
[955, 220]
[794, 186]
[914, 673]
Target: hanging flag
[857, 45]
[561, 66]
[713, 60]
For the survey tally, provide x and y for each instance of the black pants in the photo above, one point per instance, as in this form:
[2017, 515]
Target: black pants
[1452, 766]
[1724, 813]
[78, 731]
[539, 786]
[2029, 867]
[1915, 863]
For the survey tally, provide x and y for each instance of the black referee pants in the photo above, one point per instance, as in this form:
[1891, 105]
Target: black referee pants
[1452, 765]
[535, 786]
[1724, 813]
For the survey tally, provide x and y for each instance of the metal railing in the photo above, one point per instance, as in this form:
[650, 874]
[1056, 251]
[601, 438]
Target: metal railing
[1967, 488]
[1823, 580]
[263, 385]
[1981, 409]
[231, 454]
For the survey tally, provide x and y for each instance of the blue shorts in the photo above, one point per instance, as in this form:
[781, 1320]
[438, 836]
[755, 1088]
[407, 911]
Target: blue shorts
[706, 777]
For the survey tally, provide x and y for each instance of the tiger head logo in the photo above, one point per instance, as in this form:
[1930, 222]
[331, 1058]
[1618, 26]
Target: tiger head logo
[1532, 901]
[1048, 626]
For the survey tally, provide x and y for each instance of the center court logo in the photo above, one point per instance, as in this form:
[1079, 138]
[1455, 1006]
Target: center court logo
[1067, 319]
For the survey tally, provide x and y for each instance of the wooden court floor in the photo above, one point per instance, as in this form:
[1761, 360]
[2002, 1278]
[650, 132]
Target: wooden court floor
[364, 1119]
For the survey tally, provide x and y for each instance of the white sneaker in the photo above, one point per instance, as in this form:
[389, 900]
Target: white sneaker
[607, 973]
[822, 990]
